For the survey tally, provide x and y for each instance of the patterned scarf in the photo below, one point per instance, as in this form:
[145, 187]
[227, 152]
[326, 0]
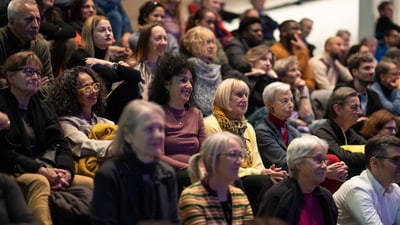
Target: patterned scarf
[237, 127]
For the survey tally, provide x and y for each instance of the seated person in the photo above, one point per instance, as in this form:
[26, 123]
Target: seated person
[381, 122]
[299, 199]
[344, 110]
[214, 199]
[373, 197]
[33, 134]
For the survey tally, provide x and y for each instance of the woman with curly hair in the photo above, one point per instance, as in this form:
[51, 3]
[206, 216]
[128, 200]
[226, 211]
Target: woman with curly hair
[172, 88]
[381, 122]
[78, 96]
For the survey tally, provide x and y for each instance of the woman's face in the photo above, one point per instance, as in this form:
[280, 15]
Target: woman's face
[88, 9]
[26, 80]
[208, 21]
[157, 16]
[103, 35]
[238, 102]
[390, 128]
[264, 63]
[147, 139]
[208, 49]
[229, 161]
[293, 73]
[88, 93]
[179, 88]
[282, 108]
[313, 170]
[158, 42]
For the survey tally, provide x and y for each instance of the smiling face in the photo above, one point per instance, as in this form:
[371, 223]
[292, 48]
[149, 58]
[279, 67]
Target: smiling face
[157, 43]
[227, 167]
[26, 24]
[179, 88]
[22, 82]
[282, 107]
[350, 111]
[88, 9]
[390, 128]
[157, 16]
[147, 139]
[103, 35]
[313, 170]
[238, 101]
[86, 101]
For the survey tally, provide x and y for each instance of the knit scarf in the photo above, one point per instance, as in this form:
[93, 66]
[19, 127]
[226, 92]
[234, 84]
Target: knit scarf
[237, 127]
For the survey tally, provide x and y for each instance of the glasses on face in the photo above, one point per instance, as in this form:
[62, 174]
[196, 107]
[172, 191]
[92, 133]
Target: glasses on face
[235, 156]
[391, 129]
[30, 71]
[394, 160]
[319, 159]
[87, 90]
[86, 7]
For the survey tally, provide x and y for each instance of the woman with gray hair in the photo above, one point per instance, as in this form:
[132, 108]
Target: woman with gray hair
[135, 185]
[214, 200]
[299, 199]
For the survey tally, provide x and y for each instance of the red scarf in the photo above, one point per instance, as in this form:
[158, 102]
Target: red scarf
[281, 125]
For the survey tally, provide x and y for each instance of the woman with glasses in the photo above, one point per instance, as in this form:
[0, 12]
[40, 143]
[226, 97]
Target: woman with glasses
[34, 132]
[78, 98]
[299, 199]
[230, 105]
[213, 200]
[381, 122]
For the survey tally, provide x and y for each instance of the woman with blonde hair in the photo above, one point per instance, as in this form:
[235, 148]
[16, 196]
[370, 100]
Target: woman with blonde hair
[198, 45]
[136, 185]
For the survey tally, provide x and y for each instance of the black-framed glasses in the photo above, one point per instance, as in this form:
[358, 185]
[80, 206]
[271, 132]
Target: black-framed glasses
[395, 160]
[391, 129]
[29, 71]
[235, 156]
[87, 90]
[318, 160]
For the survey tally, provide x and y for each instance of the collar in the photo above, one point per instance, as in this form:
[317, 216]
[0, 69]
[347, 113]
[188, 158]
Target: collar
[375, 183]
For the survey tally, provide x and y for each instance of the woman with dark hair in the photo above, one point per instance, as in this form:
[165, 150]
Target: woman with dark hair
[152, 12]
[80, 11]
[172, 89]
[78, 97]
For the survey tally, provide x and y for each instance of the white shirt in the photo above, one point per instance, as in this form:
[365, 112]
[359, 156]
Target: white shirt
[363, 200]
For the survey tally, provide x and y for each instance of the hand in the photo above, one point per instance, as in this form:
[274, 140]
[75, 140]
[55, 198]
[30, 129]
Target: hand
[297, 42]
[64, 177]
[337, 171]
[255, 72]
[362, 118]
[300, 84]
[90, 61]
[124, 39]
[44, 81]
[276, 174]
[51, 176]
[4, 121]
[119, 53]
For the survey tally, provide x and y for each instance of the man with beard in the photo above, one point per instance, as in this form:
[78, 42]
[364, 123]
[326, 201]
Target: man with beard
[21, 33]
[373, 197]
[387, 76]
[362, 67]
[290, 43]
[327, 69]
[250, 34]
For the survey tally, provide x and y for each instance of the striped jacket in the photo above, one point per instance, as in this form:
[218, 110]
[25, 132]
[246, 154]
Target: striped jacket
[198, 206]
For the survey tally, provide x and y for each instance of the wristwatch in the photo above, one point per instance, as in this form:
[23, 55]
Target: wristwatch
[115, 66]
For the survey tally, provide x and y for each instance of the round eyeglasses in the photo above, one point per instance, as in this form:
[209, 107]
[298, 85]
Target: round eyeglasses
[89, 89]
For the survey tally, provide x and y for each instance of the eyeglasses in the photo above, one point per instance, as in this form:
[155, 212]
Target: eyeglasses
[235, 156]
[394, 160]
[29, 71]
[87, 90]
[391, 129]
[88, 7]
[318, 160]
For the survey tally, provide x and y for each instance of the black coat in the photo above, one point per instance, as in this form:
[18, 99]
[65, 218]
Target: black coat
[285, 199]
[128, 191]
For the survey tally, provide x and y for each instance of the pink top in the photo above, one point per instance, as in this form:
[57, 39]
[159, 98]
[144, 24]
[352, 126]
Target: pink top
[311, 213]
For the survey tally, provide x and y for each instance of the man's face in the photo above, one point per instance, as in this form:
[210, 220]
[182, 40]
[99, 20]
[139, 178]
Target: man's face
[306, 28]
[25, 25]
[254, 33]
[365, 73]
[291, 31]
[335, 47]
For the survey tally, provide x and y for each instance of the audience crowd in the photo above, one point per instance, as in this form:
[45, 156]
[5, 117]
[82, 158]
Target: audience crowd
[182, 121]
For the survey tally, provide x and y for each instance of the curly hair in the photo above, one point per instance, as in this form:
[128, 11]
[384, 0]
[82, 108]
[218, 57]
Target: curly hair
[377, 121]
[63, 94]
[169, 66]
[193, 42]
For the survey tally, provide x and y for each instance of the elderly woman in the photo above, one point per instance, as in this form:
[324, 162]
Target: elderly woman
[230, 105]
[299, 199]
[381, 122]
[172, 88]
[78, 96]
[214, 200]
[135, 185]
[33, 133]
[199, 45]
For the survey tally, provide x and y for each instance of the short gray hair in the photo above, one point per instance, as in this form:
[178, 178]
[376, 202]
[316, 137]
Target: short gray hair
[272, 90]
[14, 7]
[300, 148]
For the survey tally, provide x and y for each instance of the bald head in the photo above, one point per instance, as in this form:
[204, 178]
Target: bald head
[334, 46]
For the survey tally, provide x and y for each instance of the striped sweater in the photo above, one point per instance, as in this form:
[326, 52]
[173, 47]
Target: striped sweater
[198, 206]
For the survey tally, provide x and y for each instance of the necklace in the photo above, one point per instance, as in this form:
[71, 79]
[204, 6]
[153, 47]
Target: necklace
[177, 114]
